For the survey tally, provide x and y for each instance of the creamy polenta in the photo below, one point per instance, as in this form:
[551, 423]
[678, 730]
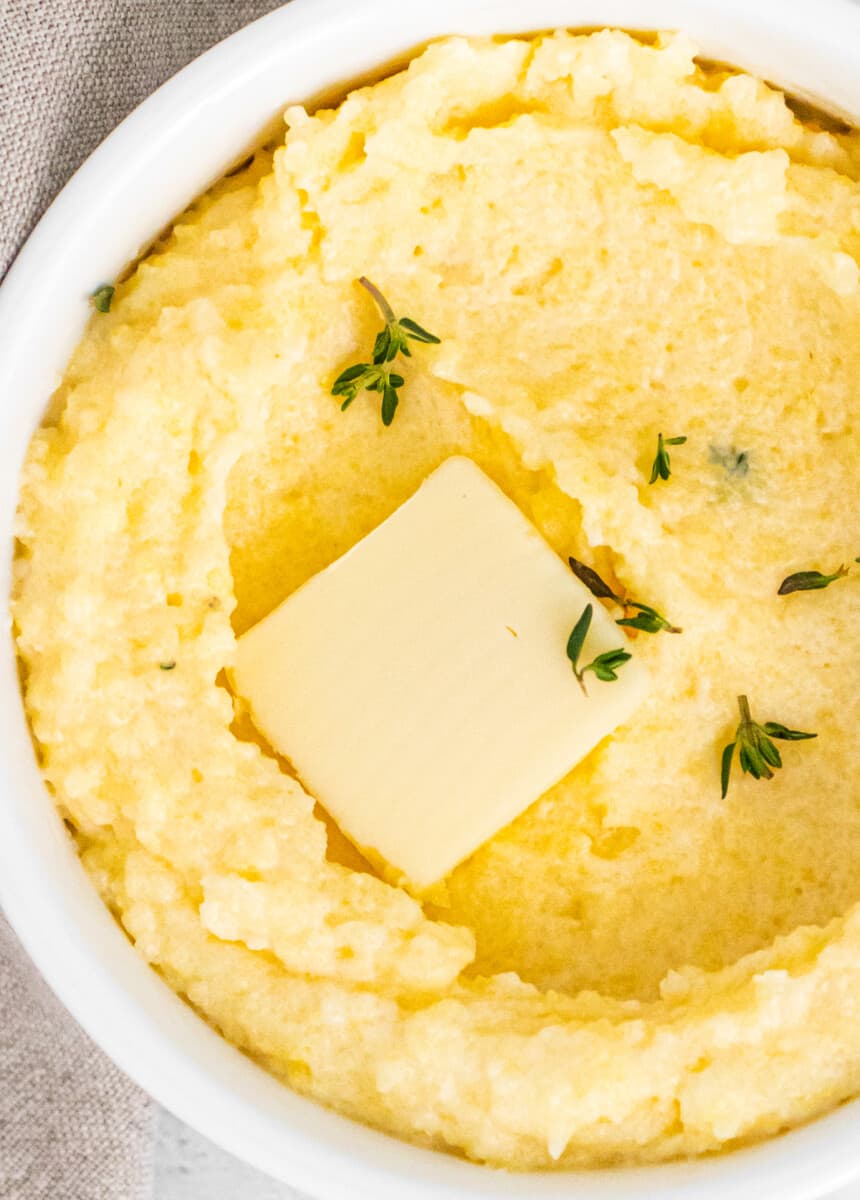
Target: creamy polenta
[610, 242]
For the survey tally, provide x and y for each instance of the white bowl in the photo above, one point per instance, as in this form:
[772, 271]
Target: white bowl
[166, 152]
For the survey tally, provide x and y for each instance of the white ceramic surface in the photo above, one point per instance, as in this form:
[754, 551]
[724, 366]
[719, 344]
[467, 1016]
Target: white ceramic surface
[142, 176]
[190, 1167]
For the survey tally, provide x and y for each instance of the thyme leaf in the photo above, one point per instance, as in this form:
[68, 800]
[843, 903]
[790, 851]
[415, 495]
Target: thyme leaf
[102, 297]
[592, 581]
[810, 581]
[605, 666]
[377, 375]
[662, 467]
[757, 754]
[647, 619]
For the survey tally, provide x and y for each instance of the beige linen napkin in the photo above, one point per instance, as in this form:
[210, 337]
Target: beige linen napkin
[70, 70]
[72, 1127]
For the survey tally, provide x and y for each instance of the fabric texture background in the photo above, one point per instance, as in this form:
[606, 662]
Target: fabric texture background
[70, 70]
[72, 1127]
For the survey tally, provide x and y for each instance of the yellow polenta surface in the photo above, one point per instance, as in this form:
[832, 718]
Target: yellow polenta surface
[609, 243]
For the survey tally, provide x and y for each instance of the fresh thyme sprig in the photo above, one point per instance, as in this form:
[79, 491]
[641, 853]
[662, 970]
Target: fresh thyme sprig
[377, 376]
[662, 467]
[810, 581]
[647, 618]
[370, 377]
[102, 297]
[757, 754]
[605, 666]
[395, 337]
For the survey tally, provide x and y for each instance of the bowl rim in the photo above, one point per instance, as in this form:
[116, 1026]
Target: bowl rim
[88, 962]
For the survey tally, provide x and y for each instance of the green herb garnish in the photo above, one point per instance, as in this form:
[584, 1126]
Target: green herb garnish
[167, 666]
[810, 581]
[757, 754]
[605, 666]
[592, 581]
[377, 376]
[662, 467]
[102, 297]
[647, 618]
[370, 377]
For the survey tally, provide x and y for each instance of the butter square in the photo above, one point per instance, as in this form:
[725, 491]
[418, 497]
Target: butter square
[420, 684]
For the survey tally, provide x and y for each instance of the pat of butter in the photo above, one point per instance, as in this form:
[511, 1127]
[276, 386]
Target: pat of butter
[420, 684]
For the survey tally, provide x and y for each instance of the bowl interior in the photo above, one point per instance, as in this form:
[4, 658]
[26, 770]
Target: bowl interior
[167, 152]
